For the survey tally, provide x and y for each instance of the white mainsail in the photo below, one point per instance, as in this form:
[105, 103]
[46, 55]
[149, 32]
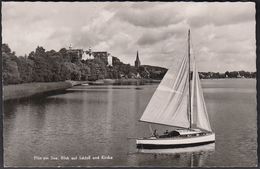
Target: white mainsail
[169, 104]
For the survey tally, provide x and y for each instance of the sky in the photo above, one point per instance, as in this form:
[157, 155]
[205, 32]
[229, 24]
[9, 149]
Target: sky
[222, 33]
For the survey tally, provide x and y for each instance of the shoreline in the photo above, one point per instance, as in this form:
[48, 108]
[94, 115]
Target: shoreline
[123, 81]
[26, 90]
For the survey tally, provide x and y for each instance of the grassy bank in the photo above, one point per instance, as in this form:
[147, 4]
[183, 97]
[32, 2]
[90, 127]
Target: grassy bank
[24, 90]
[19, 91]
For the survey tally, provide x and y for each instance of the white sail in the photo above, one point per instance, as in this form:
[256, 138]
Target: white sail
[169, 103]
[172, 104]
[202, 119]
[192, 94]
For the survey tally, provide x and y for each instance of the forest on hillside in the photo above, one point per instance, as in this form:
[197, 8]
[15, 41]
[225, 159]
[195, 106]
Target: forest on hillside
[53, 66]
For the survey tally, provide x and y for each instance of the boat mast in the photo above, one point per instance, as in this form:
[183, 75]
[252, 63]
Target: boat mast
[189, 77]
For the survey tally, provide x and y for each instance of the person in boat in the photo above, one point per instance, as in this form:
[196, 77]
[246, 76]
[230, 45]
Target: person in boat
[166, 132]
[155, 134]
[170, 134]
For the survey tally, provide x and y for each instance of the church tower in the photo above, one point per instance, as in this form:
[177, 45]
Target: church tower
[137, 61]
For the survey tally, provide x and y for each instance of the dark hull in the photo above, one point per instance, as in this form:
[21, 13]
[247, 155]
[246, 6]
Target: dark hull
[155, 146]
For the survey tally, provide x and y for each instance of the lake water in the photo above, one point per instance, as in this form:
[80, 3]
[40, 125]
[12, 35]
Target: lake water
[91, 122]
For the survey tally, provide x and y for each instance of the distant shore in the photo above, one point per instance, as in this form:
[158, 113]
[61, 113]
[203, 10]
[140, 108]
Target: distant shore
[124, 81]
[19, 91]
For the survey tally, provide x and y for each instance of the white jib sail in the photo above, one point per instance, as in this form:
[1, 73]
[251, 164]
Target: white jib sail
[202, 120]
[169, 103]
[192, 93]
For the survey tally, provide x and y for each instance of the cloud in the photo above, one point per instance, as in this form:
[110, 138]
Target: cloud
[222, 33]
[219, 14]
[152, 16]
[152, 36]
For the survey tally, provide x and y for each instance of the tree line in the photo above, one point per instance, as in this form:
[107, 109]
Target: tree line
[52, 66]
[41, 66]
[227, 74]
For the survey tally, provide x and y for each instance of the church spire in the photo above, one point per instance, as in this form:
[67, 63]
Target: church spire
[137, 61]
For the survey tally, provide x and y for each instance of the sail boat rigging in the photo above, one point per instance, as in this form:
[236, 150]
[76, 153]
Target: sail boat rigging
[173, 104]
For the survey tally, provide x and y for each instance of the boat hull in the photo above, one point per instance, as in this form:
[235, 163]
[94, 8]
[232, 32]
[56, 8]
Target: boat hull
[203, 148]
[178, 142]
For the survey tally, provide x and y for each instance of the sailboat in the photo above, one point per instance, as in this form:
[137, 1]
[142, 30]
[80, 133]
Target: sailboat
[178, 102]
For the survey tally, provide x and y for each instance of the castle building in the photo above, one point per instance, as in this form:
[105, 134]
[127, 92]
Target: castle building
[137, 61]
[110, 60]
[78, 52]
[90, 55]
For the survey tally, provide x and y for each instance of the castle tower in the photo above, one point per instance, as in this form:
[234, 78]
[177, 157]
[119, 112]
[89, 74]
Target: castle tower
[137, 61]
